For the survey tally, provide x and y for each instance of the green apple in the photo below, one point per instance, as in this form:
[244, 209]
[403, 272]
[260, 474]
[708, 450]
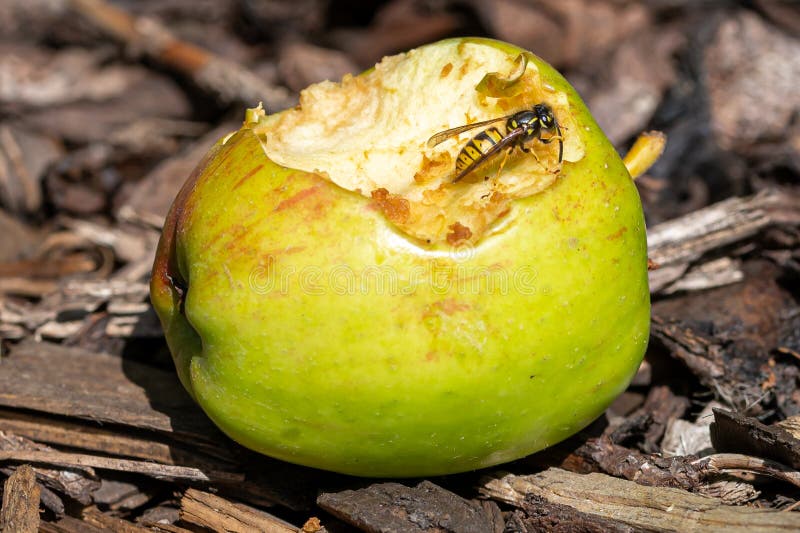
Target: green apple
[333, 298]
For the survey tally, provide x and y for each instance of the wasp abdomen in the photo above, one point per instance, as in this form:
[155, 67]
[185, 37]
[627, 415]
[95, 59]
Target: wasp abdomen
[477, 148]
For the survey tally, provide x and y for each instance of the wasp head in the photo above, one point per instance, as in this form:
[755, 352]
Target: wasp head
[545, 115]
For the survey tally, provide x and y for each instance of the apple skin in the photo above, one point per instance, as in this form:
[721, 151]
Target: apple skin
[421, 378]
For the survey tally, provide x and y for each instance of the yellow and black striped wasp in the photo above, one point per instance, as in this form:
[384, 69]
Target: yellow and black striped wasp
[521, 128]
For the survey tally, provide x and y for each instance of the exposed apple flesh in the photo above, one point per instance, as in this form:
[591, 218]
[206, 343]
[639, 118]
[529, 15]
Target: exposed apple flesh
[333, 299]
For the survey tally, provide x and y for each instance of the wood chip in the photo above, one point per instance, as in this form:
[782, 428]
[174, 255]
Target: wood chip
[540, 515]
[111, 523]
[732, 432]
[750, 68]
[20, 512]
[119, 495]
[218, 514]
[69, 524]
[386, 507]
[676, 244]
[106, 440]
[158, 471]
[645, 469]
[54, 379]
[24, 158]
[128, 243]
[77, 483]
[643, 508]
[661, 406]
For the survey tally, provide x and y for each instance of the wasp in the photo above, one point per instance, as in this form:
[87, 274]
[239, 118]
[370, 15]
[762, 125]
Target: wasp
[521, 128]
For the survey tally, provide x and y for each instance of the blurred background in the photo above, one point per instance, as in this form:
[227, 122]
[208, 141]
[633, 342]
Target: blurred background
[89, 107]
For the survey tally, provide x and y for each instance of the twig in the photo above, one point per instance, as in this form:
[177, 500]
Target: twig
[720, 462]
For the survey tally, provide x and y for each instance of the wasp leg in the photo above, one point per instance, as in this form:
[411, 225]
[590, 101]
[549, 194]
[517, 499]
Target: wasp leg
[530, 151]
[503, 162]
[536, 157]
[560, 140]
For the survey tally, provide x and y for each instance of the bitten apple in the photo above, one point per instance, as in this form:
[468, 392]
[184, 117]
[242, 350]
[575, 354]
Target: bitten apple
[334, 298]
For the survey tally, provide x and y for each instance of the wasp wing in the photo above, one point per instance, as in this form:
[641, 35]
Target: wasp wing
[509, 139]
[446, 134]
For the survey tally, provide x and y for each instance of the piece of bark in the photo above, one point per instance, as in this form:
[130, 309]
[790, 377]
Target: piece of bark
[290, 19]
[120, 495]
[20, 511]
[111, 441]
[29, 19]
[749, 70]
[169, 528]
[790, 424]
[541, 515]
[661, 406]
[69, 524]
[578, 34]
[639, 71]
[747, 317]
[37, 78]
[52, 502]
[94, 517]
[728, 337]
[160, 515]
[128, 242]
[732, 432]
[715, 273]
[60, 256]
[645, 508]
[676, 244]
[75, 481]
[144, 325]
[146, 95]
[783, 14]
[645, 469]
[105, 388]
[218, 514]
[24, 158]
[155, 470]
[685, 472]
[108, 389]
[392, 507]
